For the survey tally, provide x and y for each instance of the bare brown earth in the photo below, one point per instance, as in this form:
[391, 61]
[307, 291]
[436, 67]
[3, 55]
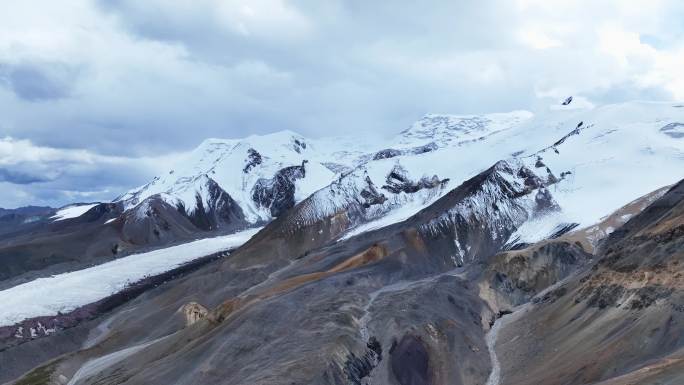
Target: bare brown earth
[619, 322]
[665, 371]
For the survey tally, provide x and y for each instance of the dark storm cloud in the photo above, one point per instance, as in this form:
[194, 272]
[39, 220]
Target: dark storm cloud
[49, 176]
[19, 177]
[38, 81]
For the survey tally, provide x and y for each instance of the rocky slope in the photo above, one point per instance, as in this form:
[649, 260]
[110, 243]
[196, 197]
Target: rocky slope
[278, 273]
[388, 306]
[619, 322]
[394, 264]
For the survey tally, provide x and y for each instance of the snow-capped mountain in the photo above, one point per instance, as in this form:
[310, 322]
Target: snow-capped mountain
[251, 180]
[239, 183]
[590, 157]
[260, 177]
[592, 153]
[367, 243]
[232, 184]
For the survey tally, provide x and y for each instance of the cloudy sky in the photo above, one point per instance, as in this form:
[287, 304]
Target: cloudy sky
[97, 96]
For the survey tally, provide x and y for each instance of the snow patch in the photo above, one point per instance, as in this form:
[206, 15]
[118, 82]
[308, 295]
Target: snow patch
[539, 228]
[72, 211]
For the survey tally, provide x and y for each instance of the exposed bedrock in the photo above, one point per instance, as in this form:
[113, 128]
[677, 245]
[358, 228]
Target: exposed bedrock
[254, 159]
[391, 152]
[217, 210]
[514, 277]
[193, 312]
[278, 193]
[398, 181]
[617, 322]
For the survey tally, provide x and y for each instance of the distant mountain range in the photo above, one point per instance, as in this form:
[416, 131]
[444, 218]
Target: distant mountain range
[27, 211]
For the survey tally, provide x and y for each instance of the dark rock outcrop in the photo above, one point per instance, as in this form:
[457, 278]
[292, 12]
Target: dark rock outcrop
[392, 153]
[411, 362]
[278, 193]
[371, 196]
[673, 130]
[253, 159]
[155, 222]
[219, 211]
[519, 275]
[386, 154]
[357, 369]
[398, 181]
[423, 149]
[299, 145]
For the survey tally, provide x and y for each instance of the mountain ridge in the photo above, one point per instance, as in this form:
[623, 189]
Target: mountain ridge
[393, 261]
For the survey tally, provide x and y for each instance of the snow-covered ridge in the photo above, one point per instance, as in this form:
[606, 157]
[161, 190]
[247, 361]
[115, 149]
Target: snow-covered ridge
[237, 166]
[595, 154]
[451, 129]
[242, 167]
[593, 151]
[511, 193]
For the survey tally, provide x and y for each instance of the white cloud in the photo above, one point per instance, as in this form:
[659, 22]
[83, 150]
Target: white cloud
[269, 18]
[128, 79]
[17, 151]
[538, 39]
[44, 175]
[641, 63]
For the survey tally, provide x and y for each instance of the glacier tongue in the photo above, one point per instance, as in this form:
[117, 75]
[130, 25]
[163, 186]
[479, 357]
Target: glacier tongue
[66, 292]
